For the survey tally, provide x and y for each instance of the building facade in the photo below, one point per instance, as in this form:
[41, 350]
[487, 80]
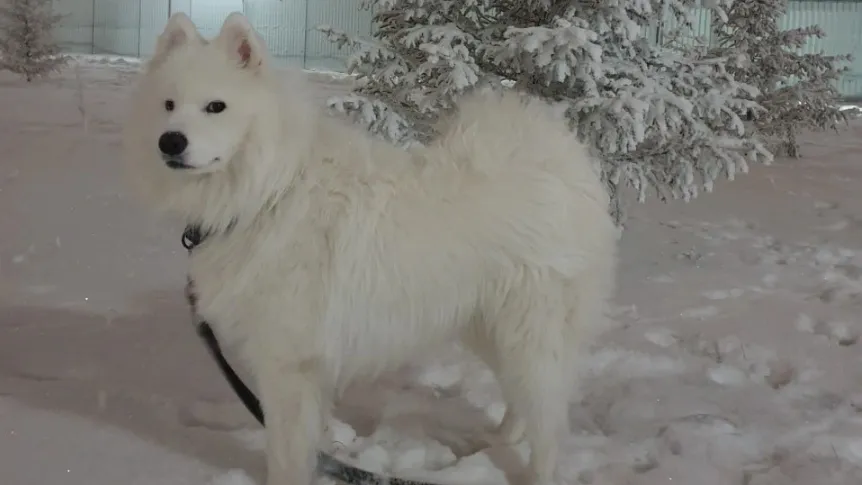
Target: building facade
[130, 27]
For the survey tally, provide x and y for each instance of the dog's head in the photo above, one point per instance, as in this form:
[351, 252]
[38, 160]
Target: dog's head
[204, 95]
[206, 121]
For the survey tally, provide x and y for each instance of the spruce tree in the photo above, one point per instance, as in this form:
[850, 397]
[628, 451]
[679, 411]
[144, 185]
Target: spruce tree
[797, 90]
[658, 118]
[27, 45]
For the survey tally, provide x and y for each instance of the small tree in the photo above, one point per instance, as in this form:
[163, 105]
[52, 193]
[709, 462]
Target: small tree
[797, 90]
[657, 118]
[27, 45]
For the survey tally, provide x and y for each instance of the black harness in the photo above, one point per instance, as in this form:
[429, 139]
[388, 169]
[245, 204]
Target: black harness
[327, 465]
[192, 237]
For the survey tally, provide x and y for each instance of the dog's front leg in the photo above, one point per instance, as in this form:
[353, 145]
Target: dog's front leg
[292, 404]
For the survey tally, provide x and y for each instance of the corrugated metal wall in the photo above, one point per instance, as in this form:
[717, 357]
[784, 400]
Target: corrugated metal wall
[341, 14]
[75, 32]
[122, 27]
[116, 26]
[282, 24]
[841, 20]
[130, 27]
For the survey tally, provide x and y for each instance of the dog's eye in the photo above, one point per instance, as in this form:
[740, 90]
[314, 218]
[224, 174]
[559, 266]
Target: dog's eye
[169, 104]
[216, 107]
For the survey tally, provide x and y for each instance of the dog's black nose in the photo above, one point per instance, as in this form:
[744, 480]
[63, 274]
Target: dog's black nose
[173, 143]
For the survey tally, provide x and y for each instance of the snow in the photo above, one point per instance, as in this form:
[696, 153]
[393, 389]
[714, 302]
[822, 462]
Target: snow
[40, 448]
[734, 360]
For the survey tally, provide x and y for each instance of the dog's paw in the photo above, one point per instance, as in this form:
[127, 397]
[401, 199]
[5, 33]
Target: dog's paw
[232, 477]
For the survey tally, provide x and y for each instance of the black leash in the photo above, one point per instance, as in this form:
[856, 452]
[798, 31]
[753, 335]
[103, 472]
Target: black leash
[192, 237]
[327, 464]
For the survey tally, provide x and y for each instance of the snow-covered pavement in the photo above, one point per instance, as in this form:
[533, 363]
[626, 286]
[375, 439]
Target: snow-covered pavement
[736, 359]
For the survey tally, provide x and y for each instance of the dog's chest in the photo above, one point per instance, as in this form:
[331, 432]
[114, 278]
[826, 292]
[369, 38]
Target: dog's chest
[222, 276]
[248, 275]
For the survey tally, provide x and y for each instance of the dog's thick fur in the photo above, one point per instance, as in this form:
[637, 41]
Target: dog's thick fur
[336, 256]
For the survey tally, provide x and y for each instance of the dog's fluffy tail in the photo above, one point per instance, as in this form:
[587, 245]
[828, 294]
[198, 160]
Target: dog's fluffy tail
[552, 205]
[503, 130]
[516, 153]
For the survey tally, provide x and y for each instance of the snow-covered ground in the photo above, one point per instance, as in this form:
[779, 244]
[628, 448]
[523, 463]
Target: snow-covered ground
[736, 359]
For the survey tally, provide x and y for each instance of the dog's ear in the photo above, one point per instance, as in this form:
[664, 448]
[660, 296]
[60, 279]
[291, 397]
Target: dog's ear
[242, 42]
[179, 30]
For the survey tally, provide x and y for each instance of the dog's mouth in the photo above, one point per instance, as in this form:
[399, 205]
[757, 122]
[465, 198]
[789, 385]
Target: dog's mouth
[177, 164]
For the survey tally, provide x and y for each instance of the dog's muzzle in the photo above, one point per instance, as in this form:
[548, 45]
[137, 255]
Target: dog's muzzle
[173, 146]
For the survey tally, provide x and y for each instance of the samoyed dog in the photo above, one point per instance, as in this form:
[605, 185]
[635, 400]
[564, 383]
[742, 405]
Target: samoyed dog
[334, 256]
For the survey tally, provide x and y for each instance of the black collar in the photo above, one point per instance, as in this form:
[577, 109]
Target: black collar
[193, 236]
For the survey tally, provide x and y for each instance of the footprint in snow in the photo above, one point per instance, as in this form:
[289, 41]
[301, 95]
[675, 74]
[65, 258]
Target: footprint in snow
[723, 294]
[844, 334]
[700, 313]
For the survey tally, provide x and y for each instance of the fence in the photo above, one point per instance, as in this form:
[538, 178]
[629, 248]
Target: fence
[130, 27]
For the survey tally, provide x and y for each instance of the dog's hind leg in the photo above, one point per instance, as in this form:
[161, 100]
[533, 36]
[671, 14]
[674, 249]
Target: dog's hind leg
[532, 370]
[477, 338]
[512, 428]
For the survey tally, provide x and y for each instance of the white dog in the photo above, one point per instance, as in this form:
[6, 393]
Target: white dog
[334, 255]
